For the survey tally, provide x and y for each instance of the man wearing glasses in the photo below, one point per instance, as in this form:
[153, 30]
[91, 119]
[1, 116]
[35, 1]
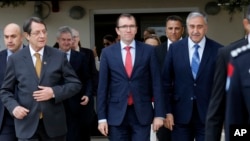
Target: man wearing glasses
[42, 78]
[129, 78]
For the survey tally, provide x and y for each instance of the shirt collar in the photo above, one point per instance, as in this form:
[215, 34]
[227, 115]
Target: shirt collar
[201, 43]
[32, 52]
[10, 52]
[123, 45]
[68, 52]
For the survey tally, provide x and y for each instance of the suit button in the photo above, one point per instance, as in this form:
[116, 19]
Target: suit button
[195, 84]
[191, 98]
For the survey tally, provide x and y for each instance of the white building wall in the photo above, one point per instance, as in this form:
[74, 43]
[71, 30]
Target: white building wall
[220, 29]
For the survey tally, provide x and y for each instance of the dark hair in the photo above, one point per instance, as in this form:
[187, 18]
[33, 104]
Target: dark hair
[175, 18]
[122, 16]
[163, 38]
[28, 22]
[109, 37]
[150, 30]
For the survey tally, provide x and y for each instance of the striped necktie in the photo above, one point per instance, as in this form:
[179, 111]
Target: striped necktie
[195, 61]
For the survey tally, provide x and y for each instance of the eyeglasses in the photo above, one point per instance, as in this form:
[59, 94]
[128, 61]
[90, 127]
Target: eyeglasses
[127, 26]
[37, 33]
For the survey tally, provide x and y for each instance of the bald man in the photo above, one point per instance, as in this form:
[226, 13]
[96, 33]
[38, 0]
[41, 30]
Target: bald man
[13, 40]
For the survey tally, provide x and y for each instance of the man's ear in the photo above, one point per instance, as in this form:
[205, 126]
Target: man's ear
[26, 35]
[246, 25]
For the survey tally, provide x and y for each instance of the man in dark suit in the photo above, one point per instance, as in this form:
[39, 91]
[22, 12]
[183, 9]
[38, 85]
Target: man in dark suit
[129, 78]
[174, 31]
[217, 106]
[90, 58]
[90, 119]
[78, 112]
[42, 78]
[13, 40]
[187, 78]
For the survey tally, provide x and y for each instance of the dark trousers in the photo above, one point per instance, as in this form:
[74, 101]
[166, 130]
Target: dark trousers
[41, 135]
[130, 129]
[7, 132]
[195, 129]
[78, 130]
[163, 134]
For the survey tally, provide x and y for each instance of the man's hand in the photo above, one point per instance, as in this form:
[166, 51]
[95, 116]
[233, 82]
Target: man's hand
[85, 100]
[43, 94]
[169, 122]
[157, 123]
[20, 112]
[103, 128]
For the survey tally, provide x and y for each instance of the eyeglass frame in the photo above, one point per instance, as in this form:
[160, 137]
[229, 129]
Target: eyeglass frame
[127, 26]
[37, 33]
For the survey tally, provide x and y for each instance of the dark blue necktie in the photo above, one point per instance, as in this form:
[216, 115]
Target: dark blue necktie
[195, 61]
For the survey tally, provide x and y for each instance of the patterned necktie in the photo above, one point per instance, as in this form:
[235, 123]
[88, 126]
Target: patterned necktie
[38, 64]
[129, 67]
[195, 61]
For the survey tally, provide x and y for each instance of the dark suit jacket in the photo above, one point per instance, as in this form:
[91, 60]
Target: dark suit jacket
[4, 114]
[73, 106]
[91, 67]
[178, 81]
[237, 97]
[216, 110]
[56, 73]
[114, 85]
[161, 52]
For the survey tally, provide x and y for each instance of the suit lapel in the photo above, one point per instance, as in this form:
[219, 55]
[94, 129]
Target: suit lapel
[185, 55]
[73, 58]
[138, 56]
[45, 61]
[205, 57]
[3, 60]
[28, 60]
[118, 57]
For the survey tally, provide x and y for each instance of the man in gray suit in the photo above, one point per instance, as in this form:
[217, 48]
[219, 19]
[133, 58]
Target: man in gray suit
[38, 109]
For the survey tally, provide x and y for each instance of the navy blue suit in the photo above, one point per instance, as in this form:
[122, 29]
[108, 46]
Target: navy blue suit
[189, 97]
[163, 134]
[114, 87]
[7, 128]
[79, 117]
[92, 68]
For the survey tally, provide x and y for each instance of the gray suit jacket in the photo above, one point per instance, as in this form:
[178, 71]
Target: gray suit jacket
[56, 73]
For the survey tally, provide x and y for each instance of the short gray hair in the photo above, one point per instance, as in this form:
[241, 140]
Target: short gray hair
[64, 29]
[196, 14]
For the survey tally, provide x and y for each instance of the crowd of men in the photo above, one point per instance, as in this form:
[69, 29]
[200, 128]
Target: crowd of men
[197, 86]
